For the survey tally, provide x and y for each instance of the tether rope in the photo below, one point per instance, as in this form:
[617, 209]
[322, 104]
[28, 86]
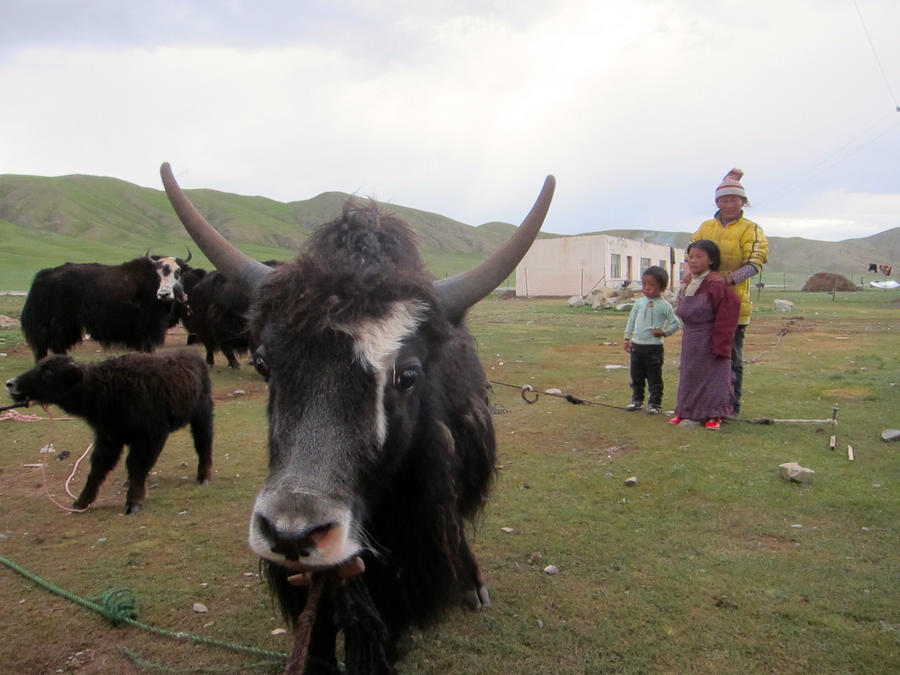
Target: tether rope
[571, 398]
[119, 606]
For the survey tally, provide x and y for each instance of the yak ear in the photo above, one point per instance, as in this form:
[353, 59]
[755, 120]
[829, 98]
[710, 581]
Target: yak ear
[71, 372]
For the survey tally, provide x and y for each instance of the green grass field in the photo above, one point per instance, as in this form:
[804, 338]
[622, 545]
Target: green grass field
[710, 564]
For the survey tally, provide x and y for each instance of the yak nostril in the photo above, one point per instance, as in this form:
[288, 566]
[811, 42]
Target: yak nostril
[292, 545]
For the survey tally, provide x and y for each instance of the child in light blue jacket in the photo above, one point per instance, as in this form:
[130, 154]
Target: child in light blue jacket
[652, 318]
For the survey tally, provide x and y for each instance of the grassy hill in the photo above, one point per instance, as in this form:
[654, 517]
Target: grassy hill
[47, 221]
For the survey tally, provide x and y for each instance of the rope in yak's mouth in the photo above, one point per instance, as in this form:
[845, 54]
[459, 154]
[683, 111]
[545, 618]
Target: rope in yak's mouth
[315, 580]
[345, 570]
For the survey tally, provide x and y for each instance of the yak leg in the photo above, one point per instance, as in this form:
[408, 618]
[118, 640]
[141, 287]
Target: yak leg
[476, 595]
[104, 457]
[232, 359]
[202, 431]
[210, 346]
[142, 455]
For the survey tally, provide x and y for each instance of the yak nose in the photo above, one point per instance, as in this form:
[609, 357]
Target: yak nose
[11, 385]
[293, 545]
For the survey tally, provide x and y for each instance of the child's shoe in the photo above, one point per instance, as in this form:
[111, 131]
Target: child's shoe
[675, 420]
[653, 409]
[634, 405]
[714, 423]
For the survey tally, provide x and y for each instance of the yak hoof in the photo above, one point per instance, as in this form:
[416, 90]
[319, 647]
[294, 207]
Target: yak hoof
[484, 596]
[477, 598]
[131, 509]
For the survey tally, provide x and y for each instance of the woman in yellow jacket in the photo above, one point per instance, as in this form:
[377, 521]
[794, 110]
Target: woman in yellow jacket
[745, 250]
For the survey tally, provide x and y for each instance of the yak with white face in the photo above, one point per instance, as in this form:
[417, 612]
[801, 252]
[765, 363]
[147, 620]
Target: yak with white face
[381, 445]
[131, 304]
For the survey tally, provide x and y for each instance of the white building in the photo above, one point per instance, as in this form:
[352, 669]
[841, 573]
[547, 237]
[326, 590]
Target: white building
[568, 266]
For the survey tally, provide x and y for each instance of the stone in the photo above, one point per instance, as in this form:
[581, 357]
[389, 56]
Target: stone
[631, 482]
[784, 305]
[624, 306]
[9, 322]
[576, 301]
[889, 435]
[200, 608]
[551, 570]
[791, 471]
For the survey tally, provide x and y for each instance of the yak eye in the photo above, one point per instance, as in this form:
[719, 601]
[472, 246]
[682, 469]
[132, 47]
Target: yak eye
[406, 379]
[259, 362]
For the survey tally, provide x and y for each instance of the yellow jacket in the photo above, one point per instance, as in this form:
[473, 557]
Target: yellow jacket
[741, 243]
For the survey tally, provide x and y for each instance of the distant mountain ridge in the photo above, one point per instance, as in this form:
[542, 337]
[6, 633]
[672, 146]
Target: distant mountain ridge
[43, 217]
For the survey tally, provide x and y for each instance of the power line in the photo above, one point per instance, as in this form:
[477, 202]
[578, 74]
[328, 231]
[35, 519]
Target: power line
[887, 82]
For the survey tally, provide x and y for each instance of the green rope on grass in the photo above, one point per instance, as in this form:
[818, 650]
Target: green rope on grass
[120, 607]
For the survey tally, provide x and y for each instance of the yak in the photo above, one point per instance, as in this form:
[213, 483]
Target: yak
[381, 443]
[130, 304]
[133, 399]
[217, 317]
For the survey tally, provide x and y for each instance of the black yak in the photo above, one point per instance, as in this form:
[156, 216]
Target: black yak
[133, 399]
[129, 304]
[381, 444]
[217, 317]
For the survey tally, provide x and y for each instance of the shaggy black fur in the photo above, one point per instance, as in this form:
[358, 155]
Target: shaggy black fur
[135, 400]
[415, 494]
[218, 317]
[116, 304]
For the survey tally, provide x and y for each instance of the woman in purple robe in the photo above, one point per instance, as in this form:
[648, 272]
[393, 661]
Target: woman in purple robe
[709, 309]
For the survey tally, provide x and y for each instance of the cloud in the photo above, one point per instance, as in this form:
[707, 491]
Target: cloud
[639, 108]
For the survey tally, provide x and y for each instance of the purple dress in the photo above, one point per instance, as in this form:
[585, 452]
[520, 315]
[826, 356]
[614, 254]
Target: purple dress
[706, 387]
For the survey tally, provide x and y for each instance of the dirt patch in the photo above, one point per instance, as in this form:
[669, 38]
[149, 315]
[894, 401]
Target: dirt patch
[855, 393]
[771, 542]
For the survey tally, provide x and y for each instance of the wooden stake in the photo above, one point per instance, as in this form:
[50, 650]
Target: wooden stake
[832, 442]
[850, 454]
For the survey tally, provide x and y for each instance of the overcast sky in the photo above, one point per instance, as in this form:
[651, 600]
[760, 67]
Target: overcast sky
[639, 107]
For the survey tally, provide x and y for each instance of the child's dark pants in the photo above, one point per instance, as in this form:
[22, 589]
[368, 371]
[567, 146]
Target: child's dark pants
[646, 364]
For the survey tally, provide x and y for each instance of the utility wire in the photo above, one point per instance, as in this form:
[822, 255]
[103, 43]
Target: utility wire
[887, 82]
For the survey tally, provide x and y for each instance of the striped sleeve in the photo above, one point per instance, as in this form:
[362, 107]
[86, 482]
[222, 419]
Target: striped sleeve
[755, 247]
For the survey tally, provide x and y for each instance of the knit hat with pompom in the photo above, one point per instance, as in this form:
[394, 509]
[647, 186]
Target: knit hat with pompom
[731, 185]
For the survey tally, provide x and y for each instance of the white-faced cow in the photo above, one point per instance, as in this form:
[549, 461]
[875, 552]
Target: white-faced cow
[381, 444]
[133, 399]
[129, 304]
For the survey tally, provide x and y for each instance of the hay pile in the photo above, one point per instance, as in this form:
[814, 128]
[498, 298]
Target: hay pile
[827, 282]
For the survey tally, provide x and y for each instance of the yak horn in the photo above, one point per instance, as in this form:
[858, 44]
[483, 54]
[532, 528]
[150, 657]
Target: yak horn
[234, 264]
[463, 290]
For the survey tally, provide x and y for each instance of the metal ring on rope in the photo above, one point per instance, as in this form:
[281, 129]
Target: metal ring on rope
[526, 388]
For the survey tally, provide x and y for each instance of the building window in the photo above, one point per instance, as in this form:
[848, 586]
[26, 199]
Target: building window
[645, 263]
[662, 263]
[615, 266]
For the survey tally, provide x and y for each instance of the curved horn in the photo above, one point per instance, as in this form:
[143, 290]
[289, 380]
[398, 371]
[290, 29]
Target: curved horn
[231, 262]
[190, 255]
[463, 290]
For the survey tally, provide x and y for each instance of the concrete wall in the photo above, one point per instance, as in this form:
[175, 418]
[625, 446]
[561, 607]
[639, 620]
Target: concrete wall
[569, 266]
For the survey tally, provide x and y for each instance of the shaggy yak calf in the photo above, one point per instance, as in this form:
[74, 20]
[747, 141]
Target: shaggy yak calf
[135, 399]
